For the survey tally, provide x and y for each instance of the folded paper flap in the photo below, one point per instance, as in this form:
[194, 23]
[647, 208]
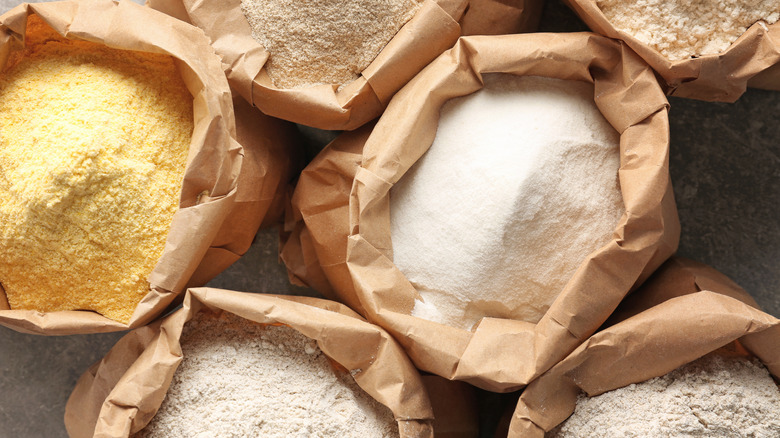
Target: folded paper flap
[430, 32]
[139, 369]
[718, 77]
[670, 324]
[717, 320]
[678, 277]
[231, 37]
[214, 157]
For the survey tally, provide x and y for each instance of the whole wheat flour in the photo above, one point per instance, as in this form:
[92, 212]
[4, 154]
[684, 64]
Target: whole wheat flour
[324, 41]
[518, 187]
[93, 147]
[241, 379]
[715, 396]
[680, 29]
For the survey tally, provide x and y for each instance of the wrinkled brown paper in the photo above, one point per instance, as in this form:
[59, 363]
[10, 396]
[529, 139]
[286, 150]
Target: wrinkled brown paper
[752, 60]
[341, 244]
[683, 312]
[208, 233]
[119, 395]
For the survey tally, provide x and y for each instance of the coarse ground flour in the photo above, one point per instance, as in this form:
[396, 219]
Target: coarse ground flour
[324, 41]
[680, 29]
[715, 396]
[241, 379]
[93, 147]
[518, 187]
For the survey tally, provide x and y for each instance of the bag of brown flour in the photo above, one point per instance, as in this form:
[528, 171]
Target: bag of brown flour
[500, 353]
[685, 312]
[703, 50]
[336, 64]
[90, 193]
[246, 363]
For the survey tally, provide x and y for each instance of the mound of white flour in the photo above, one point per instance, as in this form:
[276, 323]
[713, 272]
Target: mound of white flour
[240, 379]
[518, 187]
[715, 396]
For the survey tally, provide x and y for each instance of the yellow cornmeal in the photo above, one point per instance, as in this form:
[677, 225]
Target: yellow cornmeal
[93, 145]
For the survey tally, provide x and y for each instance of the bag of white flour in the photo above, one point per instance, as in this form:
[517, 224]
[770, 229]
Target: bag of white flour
[252, 365]
[658, 369]
[405, 233]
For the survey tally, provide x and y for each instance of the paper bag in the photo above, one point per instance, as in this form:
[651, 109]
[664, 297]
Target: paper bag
[119, 395]
[686, 310]
[314, 248]
[204, 238]
[432, 30]
[504, 354]
[721, 77]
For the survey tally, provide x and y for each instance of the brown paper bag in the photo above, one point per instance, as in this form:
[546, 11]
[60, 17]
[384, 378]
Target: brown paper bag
[119, 395]
[722, 77]
[685, 311]
[430, 32]
[200, 229]
[270, 161]
[504, 354]
[314, 248]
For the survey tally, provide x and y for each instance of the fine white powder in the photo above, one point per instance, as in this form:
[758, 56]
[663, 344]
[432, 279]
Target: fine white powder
[518, 187]
[680, 29]
[324, 41]
[715, 396]
[240, 379]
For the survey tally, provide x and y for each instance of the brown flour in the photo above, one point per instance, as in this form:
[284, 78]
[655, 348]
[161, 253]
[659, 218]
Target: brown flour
[324, 42]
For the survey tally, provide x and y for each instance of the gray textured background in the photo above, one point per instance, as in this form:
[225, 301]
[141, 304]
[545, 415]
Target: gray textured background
[725, 165]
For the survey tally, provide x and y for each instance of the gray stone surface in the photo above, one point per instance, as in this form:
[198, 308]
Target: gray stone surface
[37, 374]
[725, 164]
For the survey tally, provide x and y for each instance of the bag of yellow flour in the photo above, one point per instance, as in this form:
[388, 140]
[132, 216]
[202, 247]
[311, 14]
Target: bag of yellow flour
[119, 165]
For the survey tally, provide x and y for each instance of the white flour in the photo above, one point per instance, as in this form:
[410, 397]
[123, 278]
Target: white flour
[240, 379]
[716, 396]
[519, 186]
[680, 29]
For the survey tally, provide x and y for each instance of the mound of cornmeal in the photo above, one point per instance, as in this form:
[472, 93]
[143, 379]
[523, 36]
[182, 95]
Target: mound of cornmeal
[93, 146]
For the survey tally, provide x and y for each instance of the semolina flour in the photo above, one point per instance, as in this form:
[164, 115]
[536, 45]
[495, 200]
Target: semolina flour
[324, 41]
[679, 29]
[715, 396]
[93, 145]
[241, 379]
